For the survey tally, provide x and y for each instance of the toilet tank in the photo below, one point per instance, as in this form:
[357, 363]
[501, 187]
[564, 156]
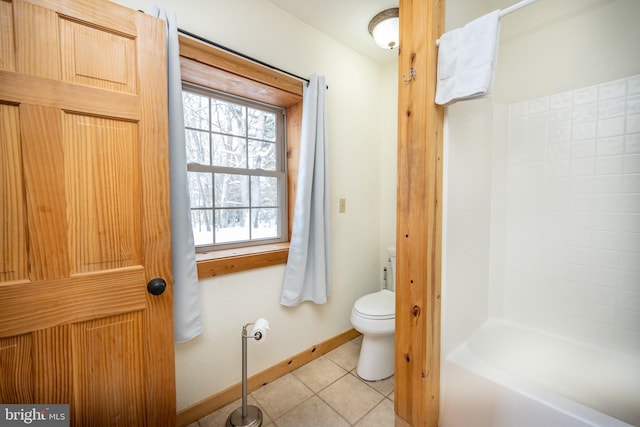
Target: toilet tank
[391, 275]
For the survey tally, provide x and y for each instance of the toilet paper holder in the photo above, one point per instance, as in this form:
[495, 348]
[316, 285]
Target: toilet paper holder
[248, 415]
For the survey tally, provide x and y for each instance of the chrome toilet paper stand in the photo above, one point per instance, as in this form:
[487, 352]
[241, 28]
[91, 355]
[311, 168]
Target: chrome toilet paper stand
[246, 415]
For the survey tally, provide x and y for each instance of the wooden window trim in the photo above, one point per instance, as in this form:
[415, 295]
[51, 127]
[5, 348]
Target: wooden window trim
[227, 261]
[214, 68]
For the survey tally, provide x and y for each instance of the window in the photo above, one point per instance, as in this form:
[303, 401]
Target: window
[236, 166]
[206, 67]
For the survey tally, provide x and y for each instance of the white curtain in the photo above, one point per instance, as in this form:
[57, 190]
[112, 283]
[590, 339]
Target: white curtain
[186, 298]
[308, 271]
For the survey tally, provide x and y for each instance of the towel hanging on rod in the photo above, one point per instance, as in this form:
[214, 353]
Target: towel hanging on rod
[466, 60]
[508, 10]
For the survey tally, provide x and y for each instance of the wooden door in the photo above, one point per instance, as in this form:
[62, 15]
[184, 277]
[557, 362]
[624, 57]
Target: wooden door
[84, 214]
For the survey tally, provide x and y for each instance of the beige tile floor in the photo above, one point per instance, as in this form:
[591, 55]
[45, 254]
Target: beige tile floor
[323, 393]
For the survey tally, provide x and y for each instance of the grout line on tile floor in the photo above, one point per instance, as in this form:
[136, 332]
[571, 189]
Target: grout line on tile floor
[346, 355]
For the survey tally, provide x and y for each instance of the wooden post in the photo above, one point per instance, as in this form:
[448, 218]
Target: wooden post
[419, 216]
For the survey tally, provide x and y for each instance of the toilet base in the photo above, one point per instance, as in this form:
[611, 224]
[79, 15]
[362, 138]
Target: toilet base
[377, 357]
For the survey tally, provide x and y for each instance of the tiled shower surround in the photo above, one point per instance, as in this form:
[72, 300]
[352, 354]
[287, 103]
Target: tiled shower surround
[565, 215]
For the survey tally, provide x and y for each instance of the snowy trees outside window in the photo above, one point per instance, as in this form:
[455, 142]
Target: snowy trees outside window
[237, 182]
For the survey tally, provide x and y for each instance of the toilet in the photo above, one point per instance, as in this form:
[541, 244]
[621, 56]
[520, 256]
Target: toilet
[374, 316]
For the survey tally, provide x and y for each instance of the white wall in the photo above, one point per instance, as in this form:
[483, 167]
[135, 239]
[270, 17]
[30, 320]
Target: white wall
[356, 100]
[548, 52]
[466, 210]
[388, 160]
[556, 252]
[554, 46]
[572, 172]
[565, 132]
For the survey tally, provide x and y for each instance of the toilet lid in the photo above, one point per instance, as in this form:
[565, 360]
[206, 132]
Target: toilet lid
[379, 305]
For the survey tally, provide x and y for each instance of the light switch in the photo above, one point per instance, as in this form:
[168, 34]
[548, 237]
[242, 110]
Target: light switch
[342, 205]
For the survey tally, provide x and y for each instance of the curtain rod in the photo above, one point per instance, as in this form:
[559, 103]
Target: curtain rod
[219, 46]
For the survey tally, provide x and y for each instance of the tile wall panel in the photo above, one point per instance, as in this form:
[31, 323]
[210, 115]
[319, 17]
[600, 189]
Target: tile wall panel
[571, 246]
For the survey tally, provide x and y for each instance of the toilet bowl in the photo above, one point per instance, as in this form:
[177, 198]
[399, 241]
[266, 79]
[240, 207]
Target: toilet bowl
[374, 316]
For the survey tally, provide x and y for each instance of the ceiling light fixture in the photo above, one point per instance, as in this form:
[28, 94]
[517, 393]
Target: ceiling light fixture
[385, 28]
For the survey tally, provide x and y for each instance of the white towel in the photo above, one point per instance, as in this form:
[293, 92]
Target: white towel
[467, 58]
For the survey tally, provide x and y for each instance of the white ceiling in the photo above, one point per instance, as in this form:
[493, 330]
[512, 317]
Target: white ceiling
[346, 21]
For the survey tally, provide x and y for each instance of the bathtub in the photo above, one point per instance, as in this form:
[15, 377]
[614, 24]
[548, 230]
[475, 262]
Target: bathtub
[506, 375]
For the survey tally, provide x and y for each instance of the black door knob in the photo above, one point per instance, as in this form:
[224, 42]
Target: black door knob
[156, 286]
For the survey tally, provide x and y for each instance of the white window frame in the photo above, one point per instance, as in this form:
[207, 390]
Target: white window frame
[280, 170]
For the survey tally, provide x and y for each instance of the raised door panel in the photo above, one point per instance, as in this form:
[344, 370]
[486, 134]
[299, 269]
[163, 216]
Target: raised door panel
[7, 56]
[90, 43]
[95, 57]
[102, 191]
[13, 248]
[37, 51]
[43, 157]
[51, 367]
[16, 375]
[109, 374]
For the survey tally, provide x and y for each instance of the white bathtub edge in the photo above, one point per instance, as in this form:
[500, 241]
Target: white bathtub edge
[466, 359]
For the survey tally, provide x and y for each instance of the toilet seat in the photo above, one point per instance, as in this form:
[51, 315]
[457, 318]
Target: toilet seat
[377, 306]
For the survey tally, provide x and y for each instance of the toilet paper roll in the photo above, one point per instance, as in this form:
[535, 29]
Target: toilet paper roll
[260, 328]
